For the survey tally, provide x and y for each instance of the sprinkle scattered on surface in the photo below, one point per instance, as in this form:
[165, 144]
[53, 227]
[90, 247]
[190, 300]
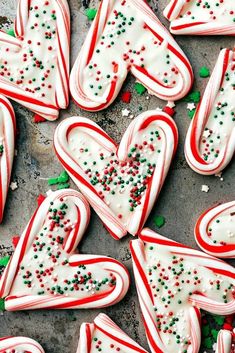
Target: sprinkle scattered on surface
[4, 261]
[191, 113]
[90, 13]
[191, 106]
[205, 188]
[126, 97]
[126, 112]
[38, 119]
[11, 32]
[139, 88]
[61, 181]
[13, 185]
[204, 72]
[193, 97]
[2, 304]
[159, 221]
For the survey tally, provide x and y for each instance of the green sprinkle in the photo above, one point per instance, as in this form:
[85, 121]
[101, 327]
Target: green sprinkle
[219, 319]
[4, 261]
[91, 13]
[159, 221]
[191, 113]
[205, 330]
[193, 97]
[11, 32]
[62, 178]
[2, 304]
[204, 72]
[53, 181]
[139, 88]
[214, 334]
[207, 343]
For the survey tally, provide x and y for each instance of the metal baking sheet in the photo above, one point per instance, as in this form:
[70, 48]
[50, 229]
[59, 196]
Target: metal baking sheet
[180, 202]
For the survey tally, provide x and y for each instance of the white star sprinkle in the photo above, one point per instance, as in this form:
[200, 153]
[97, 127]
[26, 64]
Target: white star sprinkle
[191, 106]
[205, 188]
[125, 112]
[13, 185]
[206, 133]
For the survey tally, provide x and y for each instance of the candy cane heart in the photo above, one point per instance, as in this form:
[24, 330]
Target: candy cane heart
[105, 335]
[210, 141]
[126, 36]
[215, 230]
[34, 65]
[46, 271]
[19, 344]
[173, 283]
[197, 18]
[120, 182]
[224, 342]
[7, 148]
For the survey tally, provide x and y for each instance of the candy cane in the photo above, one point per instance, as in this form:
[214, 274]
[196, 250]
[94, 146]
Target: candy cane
[192, 17]
[45, 270]
[7, 148]
[151, 139]
[106, 335]
[19, 344]
[215, 229]
[35, 65]
[127, 36]
[173, 281]
[210, 141]
[224, 342]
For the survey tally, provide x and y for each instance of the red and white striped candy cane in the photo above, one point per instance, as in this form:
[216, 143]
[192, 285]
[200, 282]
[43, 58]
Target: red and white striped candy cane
[136, 168]
[224, 342]
[192, 17]
[46, 271]
[215, 230]
[139, 44]
[173, 282]
[42, 45]
[107, 335]
[19, 344]
[210, 141]
[7, 148]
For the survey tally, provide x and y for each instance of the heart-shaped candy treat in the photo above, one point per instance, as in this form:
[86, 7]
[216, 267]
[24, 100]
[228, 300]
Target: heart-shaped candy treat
[34, 65]
[173, 283]
[126, 36]
[120, 182]
[46, 271]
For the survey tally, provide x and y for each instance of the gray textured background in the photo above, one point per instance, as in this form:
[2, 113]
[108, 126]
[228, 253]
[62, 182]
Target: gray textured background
[180, 202]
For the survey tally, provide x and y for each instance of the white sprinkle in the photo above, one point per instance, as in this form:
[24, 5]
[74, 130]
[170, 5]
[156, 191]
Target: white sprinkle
[13, 185]
[125, 112]
[205, 188]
